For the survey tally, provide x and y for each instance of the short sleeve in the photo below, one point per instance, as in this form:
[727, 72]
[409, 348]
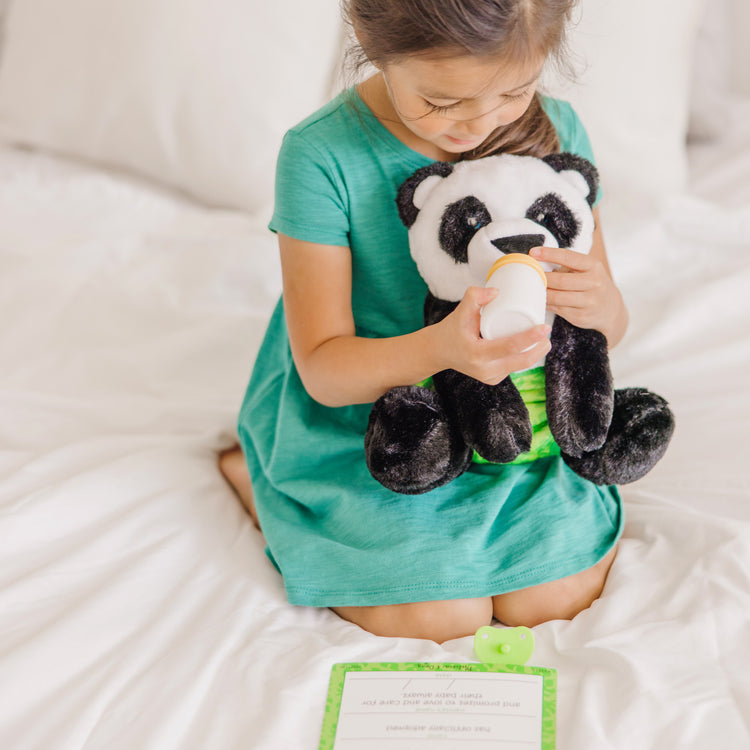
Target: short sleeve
[310, 201]
[571, 132]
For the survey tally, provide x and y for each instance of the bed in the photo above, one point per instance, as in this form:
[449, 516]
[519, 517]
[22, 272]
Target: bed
[137, 607]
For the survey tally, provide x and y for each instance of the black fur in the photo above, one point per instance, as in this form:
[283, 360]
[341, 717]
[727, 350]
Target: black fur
[411, 445]
[551, 212]
[461, 221]
[580, 396]
[641, 428]
[565, 160]
[436, 309]
[492, 419]
[407, 211]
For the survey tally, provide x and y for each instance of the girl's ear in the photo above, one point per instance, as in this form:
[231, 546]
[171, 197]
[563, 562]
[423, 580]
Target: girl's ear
[579, 171]
[413, 193]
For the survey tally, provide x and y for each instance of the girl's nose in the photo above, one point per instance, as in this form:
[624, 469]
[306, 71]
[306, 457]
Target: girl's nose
[482, 124]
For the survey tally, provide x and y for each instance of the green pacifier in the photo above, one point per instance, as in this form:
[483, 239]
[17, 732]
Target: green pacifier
[504, 645]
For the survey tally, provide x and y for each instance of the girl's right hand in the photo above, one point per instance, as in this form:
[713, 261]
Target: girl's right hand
[489, 361]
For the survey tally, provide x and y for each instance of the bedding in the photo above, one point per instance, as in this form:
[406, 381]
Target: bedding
[137, 606]
[181, 91]
[635, 105]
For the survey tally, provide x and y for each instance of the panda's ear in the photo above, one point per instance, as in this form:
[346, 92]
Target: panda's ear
[413, 193]
[579, 171]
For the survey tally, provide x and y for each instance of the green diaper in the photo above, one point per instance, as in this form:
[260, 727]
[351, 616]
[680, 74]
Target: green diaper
[530, 384]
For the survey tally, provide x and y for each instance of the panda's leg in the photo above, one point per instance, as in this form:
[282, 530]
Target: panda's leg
[493, 419]
[579, 391]
[411, 445]
[641, 428]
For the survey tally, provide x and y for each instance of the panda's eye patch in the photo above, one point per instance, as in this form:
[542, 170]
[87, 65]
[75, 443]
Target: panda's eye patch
[551, 212]
[461, 220]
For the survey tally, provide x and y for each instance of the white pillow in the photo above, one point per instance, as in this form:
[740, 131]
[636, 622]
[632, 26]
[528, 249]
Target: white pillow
[739, 23]
[193, 93]
[632, 94]
[709, 91]
[3, 9]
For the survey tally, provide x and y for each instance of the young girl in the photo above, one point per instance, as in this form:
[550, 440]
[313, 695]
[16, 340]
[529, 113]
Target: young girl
[526, 542]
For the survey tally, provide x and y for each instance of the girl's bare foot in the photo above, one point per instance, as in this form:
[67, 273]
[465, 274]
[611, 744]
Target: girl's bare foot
[232, 465]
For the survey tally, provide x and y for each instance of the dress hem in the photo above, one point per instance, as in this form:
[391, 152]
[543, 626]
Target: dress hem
[437, 591]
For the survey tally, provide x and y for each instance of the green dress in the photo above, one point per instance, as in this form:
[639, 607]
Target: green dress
[337, 536]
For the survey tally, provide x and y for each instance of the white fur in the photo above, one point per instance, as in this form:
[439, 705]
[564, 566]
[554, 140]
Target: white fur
[508, 185]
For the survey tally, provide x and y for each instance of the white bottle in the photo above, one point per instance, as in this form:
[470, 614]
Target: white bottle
[522, 296]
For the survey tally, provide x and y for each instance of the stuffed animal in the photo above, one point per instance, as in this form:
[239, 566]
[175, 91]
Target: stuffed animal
[461, 218]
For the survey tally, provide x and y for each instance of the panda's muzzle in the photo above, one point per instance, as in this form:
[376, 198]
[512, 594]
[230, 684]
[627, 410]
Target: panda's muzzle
[519, 243]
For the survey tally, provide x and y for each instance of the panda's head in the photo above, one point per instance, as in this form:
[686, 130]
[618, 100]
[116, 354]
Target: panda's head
[462, 216]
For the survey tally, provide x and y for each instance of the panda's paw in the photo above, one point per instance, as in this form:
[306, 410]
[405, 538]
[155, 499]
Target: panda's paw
[411, 446]
[642, 426]
[493, 419]
[499, 436]
[495, 422]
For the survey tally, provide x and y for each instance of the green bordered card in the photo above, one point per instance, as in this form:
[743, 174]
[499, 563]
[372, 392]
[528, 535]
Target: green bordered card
[392, 706]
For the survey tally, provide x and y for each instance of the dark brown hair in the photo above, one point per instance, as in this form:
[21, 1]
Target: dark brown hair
[389, 30]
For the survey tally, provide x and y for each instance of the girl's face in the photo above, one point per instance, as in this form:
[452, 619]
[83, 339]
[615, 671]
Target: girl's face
[455, 103]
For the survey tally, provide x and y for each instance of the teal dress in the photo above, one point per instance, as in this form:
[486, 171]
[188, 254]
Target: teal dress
[337, 536]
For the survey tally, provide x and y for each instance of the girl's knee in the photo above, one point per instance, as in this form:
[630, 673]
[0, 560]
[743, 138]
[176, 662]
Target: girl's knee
[557, 600]
[436, 621]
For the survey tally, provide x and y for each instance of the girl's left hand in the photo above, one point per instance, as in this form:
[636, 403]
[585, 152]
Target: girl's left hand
[582, 291]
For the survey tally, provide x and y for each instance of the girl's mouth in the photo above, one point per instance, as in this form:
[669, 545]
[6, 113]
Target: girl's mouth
[460, 141]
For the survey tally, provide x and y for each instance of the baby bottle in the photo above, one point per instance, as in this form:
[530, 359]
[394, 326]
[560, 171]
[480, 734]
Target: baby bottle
[522, 296]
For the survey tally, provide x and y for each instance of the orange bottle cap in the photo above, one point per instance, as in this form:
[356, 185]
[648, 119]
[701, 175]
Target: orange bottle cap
[527, 260]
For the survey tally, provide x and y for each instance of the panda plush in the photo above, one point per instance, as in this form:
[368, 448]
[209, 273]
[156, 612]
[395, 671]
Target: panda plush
[461, 217]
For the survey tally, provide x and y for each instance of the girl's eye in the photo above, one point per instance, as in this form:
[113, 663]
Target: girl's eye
[440, 108]
[443, 108]
[516, 97]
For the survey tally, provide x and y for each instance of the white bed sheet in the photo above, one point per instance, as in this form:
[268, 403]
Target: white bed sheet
[137, 608]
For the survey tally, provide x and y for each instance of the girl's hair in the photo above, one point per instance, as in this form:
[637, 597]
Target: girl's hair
[389, 30]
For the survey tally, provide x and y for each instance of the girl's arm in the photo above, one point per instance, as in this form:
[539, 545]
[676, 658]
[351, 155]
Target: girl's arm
[585, 294]
[338, 368]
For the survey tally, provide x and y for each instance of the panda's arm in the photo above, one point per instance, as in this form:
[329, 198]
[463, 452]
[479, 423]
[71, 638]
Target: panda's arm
[436, 309]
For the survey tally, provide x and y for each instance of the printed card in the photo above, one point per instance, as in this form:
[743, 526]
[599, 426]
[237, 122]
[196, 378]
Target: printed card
[390, 706]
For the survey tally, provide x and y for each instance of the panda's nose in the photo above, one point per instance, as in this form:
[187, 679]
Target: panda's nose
[519, 243]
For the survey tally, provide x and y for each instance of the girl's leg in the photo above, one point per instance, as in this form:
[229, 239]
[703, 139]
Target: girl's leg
[443, 620]
[556, 600]
[233, 467]
[436, 621]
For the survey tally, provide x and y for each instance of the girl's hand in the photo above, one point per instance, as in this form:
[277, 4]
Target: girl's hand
[584, 293]
[488, 361]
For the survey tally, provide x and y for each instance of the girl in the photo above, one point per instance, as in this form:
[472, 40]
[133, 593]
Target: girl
[527, 542]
